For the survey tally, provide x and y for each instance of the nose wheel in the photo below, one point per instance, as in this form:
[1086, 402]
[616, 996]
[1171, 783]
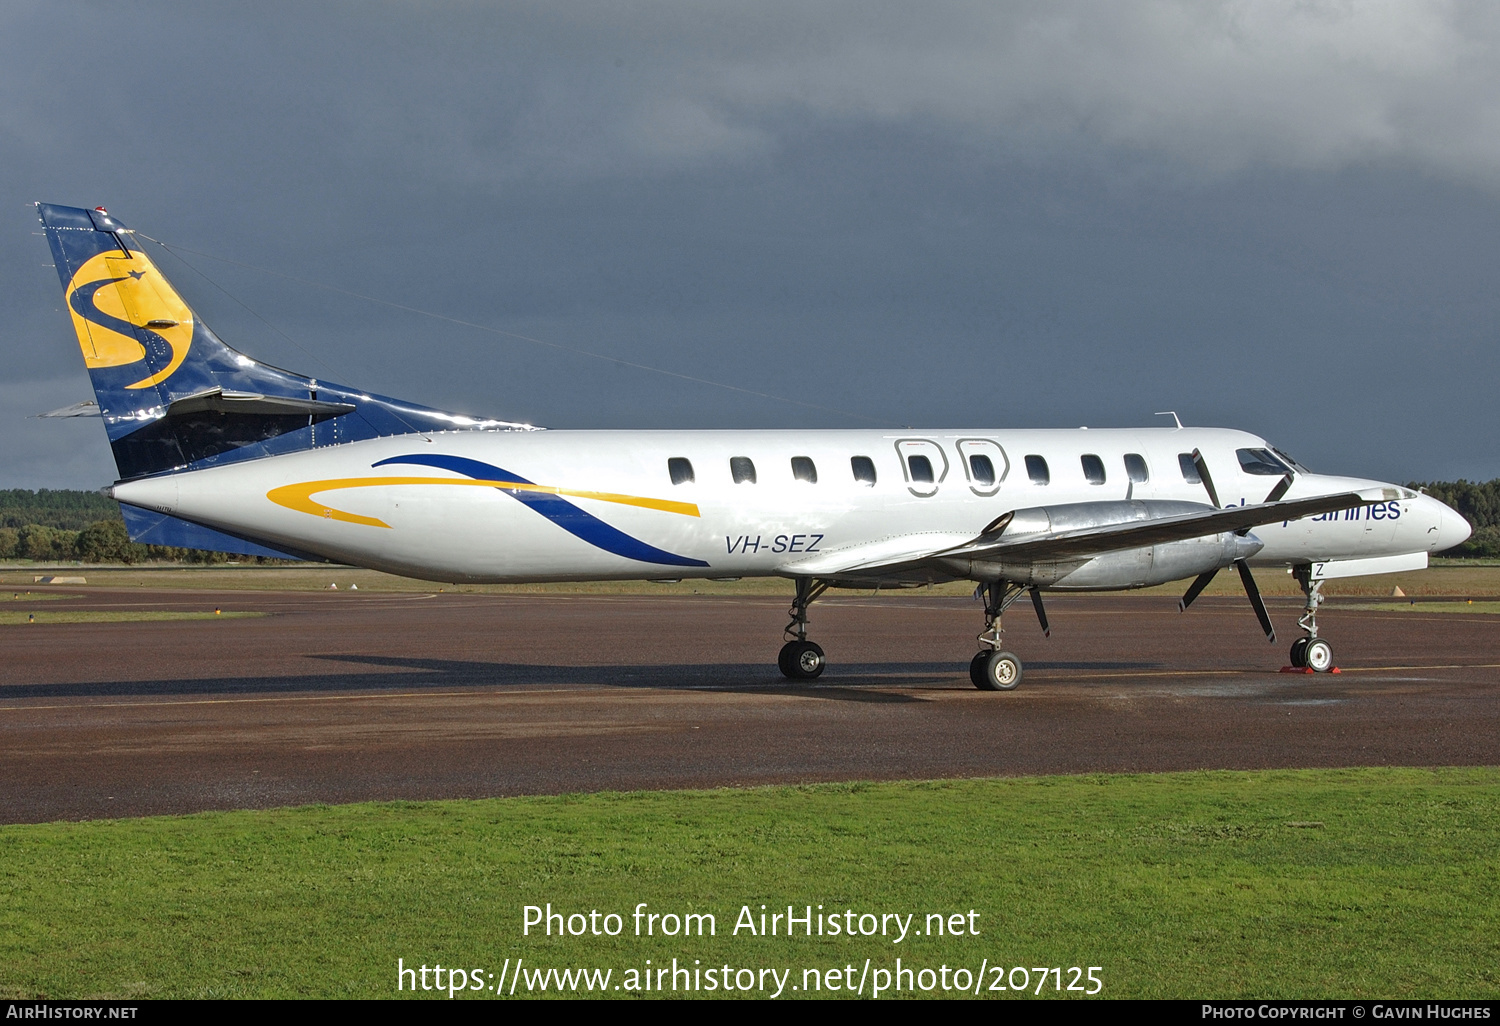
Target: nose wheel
[1311, 652]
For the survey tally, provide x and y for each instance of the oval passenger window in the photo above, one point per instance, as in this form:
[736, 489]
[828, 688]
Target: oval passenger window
[921, 469]
[982, 469]
[864, 470]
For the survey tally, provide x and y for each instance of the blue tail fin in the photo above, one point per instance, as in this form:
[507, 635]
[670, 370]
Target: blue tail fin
[172, 394]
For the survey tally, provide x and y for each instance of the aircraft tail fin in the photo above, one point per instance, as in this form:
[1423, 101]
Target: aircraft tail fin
[172, 394]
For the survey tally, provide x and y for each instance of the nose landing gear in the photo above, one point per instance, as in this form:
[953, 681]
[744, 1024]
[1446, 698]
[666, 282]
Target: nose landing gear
[1311, 652]
[801, 659]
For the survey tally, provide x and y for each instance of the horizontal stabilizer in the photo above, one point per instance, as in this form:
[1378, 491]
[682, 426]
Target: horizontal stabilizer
[87, 408]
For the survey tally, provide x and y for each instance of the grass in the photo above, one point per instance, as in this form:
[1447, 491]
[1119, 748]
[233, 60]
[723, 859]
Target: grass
[1344, 883]
[11, 616]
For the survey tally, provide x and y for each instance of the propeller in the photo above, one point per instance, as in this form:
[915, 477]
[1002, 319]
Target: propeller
[1252, 590]
[1041, 613]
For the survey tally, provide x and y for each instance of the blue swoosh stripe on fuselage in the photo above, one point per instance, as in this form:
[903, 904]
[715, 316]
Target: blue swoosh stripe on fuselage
[577, 522]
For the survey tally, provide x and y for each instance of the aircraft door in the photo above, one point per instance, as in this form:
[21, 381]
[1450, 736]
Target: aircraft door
[984, 464]
[924, 464]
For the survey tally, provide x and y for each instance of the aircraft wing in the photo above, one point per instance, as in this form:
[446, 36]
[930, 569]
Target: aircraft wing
[884, 559]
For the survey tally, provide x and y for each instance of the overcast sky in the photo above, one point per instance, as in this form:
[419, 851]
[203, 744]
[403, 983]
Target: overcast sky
[1279, 216]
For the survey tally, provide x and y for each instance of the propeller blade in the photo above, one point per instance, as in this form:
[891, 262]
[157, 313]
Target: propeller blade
[1195, 589]
[1280, 489]
[1208, 481]
[1256, 602]
[1041, 614]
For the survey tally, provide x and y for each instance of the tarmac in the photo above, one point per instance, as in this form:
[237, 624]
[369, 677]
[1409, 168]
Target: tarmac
[344, 697]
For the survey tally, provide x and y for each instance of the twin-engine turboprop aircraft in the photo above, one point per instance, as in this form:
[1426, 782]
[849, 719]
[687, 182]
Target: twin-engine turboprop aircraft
[217, 451]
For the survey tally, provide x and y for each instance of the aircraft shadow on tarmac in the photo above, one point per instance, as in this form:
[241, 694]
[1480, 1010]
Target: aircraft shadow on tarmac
[846, 683]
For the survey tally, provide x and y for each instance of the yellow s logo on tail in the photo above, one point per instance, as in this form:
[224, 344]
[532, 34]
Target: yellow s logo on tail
[118, 300]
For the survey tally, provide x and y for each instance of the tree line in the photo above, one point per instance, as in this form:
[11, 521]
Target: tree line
[1479, 502]
[57, 524]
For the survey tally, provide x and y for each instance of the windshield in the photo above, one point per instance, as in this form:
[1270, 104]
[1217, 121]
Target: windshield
[1262, 462]
[1285, 458]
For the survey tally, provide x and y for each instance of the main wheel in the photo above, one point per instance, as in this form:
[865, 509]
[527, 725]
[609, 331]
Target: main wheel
[801, 660]
[976, 669]
[1319, 655]
[1299, 652]
[996, 671]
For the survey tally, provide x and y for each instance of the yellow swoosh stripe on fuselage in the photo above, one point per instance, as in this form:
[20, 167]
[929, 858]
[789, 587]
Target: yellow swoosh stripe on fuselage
[299, 496]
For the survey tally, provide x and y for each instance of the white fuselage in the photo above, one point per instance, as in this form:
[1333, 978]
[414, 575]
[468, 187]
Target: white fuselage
[412, 517]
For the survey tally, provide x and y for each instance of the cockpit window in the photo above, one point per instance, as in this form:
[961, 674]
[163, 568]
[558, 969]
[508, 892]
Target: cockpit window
[1261, 462]
[1288, 460]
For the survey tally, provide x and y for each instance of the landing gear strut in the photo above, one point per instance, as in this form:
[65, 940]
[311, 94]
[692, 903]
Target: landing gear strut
[1311, 652]
[995, 669]
[801, 659]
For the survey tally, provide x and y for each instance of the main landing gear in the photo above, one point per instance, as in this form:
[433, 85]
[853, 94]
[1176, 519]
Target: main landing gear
[801, 659]
[995, 669]
[1311, 652]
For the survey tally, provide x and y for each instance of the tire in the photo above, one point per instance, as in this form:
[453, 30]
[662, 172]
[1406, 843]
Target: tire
[1299, 652]
[801, 660]
[999, 671]
[976, 670]
[1319, 655]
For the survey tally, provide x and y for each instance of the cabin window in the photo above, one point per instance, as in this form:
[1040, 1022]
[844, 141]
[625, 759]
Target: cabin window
[1261, 462]
[742, 468]
[982, 469]
[1189, 468]
[1093, 468]
[681, 470]
[864, 470]
[804, 470]
[921, 469]
[1135, 468]
[1036, 469]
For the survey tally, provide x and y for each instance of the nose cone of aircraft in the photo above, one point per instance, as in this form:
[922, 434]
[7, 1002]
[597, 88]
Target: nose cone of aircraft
[1453, 529]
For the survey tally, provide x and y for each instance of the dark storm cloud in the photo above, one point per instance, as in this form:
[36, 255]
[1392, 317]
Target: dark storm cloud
[1280, 216]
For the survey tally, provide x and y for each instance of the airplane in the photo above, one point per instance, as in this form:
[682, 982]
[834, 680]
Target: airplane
[218, 451]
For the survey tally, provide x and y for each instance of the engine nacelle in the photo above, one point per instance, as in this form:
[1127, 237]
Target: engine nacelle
[1127, 568]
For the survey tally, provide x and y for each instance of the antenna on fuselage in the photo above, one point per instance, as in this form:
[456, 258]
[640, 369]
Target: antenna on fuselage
[1173, 415]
